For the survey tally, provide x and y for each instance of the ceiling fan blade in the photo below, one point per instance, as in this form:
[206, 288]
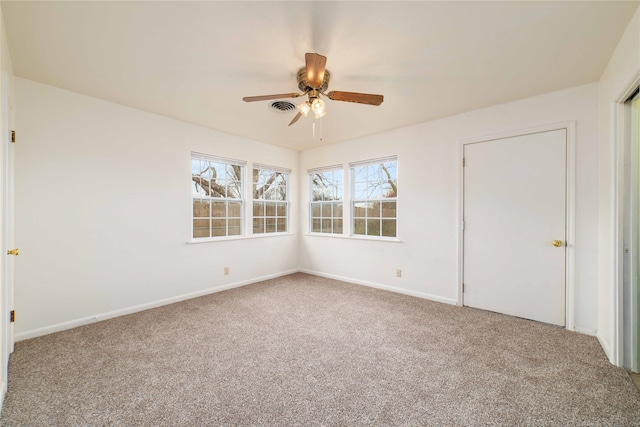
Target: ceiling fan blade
[295, 119]
[268, 97]
[360, 98]
[315, 64]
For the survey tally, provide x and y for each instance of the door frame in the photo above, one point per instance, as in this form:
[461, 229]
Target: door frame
[620, 133]
[570, 127]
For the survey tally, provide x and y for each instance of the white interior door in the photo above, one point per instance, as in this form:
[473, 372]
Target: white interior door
[514, 209]
[6, 234]
[9, 204]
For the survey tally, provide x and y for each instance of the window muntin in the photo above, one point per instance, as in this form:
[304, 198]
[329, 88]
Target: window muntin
[217, 196]
[326, 205]
[374, 201]
[270, 200]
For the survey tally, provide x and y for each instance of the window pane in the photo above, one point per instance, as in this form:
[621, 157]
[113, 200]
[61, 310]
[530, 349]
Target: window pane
[258, 225]
[234, 189]
[270, 225]
[375, 190]
[315, 225]
[326, 225]
[389, 227]
[281, 192]
[258, 208]
[270, 209]
[359, 226]
[218, 209]
[361, 191]
[197, 189]
[326, 210]
[215, 188]
[337, 226]
[373, 227]
[339, 184]
[281, 224]
[201, 208]
[235, 210]
[359, 210]
[337, 210]
[201, 228]
[373, 210]
[281, 209]
[218, 227]
[234, 173]
[235, 227]
[389, 209]
[315, 210]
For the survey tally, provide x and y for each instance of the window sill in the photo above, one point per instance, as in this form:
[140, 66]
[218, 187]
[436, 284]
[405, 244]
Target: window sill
[342, 236]
[229, 238]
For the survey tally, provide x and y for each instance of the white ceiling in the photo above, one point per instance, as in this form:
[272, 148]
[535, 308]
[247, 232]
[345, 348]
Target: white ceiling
[194, 61]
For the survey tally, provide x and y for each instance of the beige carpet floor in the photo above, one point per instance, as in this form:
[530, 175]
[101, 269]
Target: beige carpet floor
[303, 351]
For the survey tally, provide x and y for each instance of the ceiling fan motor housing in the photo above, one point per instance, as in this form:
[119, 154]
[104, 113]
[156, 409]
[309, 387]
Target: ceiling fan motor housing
[303, 85]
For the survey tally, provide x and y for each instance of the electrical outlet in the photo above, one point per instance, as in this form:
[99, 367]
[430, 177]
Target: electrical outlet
[398, 273]
[226, 271]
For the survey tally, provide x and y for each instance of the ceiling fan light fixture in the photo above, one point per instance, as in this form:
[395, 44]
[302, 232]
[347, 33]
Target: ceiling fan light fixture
[318, 106]
[304, 108]
[319, 114]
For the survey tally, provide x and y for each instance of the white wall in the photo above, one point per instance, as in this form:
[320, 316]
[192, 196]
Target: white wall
[428, 181]
[623, 67]
[103, 211]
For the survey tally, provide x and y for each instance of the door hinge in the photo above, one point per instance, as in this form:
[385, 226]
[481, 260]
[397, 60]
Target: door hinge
[12, 316]
[464, 161]
[13, 136]
[463, 287]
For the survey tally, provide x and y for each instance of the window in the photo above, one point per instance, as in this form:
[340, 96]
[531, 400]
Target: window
[270, 199]
[326, 200]
[217, 196]
[375, 193]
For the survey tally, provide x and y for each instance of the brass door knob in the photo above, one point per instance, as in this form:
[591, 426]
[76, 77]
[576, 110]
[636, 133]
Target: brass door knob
[557, 243]
[15, 252]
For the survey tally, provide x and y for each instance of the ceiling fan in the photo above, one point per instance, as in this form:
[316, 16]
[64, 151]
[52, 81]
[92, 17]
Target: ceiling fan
[313, 81]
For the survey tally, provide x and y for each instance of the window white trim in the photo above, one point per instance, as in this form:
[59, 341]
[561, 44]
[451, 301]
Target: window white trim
[373, 161]
[218, 159]
[325, 169]
[271, 168]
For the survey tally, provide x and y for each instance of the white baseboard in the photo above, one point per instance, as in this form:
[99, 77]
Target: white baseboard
[451, 301]
[141, 307]
[605, 347]
[3, 394]
[591, 332]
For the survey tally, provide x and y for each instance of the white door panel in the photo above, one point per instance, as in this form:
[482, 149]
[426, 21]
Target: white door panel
[514, 208]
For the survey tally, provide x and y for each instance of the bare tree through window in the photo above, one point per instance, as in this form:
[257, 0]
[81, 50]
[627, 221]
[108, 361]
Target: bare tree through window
[374, 203]
[270, 200]
[326, 206]
[217, 196]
